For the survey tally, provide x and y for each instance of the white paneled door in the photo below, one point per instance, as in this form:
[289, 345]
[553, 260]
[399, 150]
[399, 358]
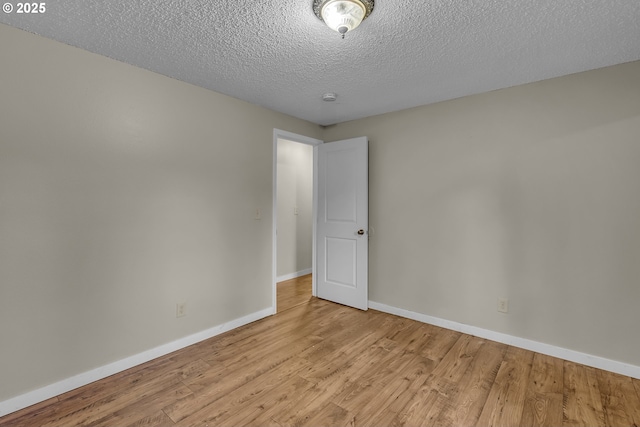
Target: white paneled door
[343, 222]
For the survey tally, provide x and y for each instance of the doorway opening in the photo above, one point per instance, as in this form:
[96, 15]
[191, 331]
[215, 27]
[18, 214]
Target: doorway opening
[294, 201]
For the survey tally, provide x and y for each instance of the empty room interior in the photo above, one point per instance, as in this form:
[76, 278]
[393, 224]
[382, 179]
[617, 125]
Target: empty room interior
[160, 165]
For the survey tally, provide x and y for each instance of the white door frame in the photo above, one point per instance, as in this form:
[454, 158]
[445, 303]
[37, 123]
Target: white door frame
[282, 134]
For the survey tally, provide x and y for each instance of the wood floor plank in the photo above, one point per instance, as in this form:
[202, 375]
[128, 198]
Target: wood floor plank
[372, 410]
[30, 416]
[262, 409]
[342, 359]
[244, 338]
[505, 403]
[431, 401]
[636, 385]
[159, 419]
[342, 374]
[331, 415]
[422, 337]
[212, 385]
[620, 401]
[80, 407]
[367, 386]
[388, 405]
[312, 402]
[542, 409]
[546, 374]
[291, 293]
[229, 405]
[277, 335]
[97, 410]
[439, 344]
[465, 407]
[175, 364]
[345, 339]
[321, 363]
[122, 397]
[582, 400]
[136, 413]
[455, 363]
[543, 402]
[403, 330]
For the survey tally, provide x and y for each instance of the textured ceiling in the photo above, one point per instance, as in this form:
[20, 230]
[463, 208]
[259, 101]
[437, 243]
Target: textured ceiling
[276, 53]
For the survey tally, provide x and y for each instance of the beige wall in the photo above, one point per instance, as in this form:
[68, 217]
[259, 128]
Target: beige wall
[295, 189]
[122, 192]
[530, 193]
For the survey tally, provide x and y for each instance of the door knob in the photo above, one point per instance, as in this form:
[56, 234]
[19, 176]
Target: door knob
[361, 232]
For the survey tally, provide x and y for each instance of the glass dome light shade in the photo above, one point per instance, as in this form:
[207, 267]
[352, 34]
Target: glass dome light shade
[343, 15]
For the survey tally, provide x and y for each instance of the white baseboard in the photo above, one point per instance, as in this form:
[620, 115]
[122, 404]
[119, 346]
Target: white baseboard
[294, 275]
[52, 390]
[527, 344]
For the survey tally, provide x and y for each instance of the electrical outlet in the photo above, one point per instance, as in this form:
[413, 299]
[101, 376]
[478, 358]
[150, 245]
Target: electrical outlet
[181, 309]
[258, 214]
[503, 305]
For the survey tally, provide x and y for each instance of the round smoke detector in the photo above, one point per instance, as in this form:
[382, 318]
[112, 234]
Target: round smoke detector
[329, 97]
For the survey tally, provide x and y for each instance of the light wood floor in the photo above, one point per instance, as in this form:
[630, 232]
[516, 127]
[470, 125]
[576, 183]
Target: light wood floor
[323, 364]
[291, 293]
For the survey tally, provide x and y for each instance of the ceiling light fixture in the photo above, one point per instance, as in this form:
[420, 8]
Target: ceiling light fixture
[342, 15]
